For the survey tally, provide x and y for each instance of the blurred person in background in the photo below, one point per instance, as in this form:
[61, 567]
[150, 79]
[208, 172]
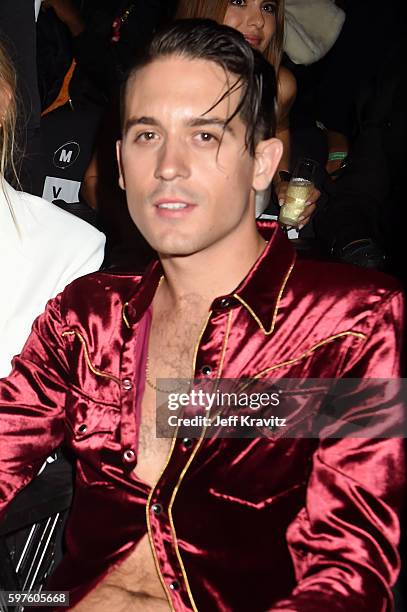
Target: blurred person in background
[355, 93]
[262, 24]
[104, 38]
[42, 248]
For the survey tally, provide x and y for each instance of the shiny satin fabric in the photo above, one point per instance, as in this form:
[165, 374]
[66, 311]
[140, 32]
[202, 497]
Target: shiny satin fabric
[292, 524]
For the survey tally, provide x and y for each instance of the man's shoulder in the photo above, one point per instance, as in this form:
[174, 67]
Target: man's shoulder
[341, 280]
[107, 282]
[328, 299]
[100, 291]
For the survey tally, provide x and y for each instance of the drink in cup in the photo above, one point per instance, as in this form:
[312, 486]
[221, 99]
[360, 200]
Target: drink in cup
[298, 192]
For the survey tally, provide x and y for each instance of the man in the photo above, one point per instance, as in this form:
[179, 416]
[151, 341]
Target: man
[208, 523]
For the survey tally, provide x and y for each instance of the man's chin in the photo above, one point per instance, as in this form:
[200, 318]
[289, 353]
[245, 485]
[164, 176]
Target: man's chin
[176, 252]
[174, 246]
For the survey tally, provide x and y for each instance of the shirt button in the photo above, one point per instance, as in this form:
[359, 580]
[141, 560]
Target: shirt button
[129, 455]
[225, 302]
[175, 585]
[82, 428]
[157, 509]
[187, 442]
[127, 384]
[206, 370]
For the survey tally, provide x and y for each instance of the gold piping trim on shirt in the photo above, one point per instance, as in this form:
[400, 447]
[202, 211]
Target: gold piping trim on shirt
[193, 454]
[222, 357]
[89, 363]
[195, 355]
[255, 317]
[150, 537]
[310, 351]
[174, 533]
[149, 533]
[124, 315]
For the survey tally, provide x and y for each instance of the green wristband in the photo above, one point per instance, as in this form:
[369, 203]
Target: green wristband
[337, 155]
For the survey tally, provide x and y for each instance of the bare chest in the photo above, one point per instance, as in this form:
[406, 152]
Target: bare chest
[171, 352]
[133, 586]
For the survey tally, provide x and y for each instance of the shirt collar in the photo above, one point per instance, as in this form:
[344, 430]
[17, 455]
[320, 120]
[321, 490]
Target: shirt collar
[261, 290]
[144, 295]
[259, 293]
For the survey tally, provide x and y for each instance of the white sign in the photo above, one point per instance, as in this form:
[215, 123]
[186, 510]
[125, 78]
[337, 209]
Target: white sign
[61, 189]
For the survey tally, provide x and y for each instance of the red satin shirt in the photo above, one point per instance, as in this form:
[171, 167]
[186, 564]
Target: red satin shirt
[291, 524]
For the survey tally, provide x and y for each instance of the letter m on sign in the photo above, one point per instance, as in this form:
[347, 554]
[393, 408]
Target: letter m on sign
[65, 156]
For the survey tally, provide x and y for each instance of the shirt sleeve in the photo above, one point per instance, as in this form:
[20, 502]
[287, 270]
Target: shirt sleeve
[344, 540]
[32, 402]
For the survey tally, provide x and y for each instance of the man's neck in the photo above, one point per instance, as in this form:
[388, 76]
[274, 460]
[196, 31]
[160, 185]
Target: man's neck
[209, 273]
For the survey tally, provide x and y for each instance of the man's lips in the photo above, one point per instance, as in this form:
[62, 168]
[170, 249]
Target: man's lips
[172, 203]
[173, 206]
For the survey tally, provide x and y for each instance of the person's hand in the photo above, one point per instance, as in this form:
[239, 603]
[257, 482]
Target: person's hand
[67, 12]
[332, 166]
[310, 205]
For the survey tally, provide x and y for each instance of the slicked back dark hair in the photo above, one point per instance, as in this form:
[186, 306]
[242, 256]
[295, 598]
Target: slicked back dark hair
[205, 39]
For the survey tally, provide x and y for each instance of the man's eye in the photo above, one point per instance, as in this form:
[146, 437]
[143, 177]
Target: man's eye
[206, 137]
[146, 136]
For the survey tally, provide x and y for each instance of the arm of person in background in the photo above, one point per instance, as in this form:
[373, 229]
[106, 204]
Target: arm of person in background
[287, 91]
[286, 96]
[89, 187]
[67, 12]
[338, 148]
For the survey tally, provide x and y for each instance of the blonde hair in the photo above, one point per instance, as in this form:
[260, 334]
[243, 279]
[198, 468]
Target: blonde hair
[8, 116]
[216, 9]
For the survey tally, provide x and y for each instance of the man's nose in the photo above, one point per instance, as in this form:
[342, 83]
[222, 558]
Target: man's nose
[255, 16]
[172, 161]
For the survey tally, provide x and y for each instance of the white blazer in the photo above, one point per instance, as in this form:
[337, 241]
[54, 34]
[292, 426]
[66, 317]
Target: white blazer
[51, 250]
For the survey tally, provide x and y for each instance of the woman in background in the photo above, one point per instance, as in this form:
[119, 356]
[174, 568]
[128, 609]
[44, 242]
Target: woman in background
[262, 24]
[42, 248]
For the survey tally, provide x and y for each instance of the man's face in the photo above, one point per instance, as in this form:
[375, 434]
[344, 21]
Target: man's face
[189, 181]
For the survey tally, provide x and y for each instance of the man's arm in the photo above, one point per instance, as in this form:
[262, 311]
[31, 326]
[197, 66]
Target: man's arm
[344, 541]
[32, 402]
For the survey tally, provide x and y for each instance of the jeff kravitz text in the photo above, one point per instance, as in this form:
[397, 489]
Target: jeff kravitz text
[221, 409]
[232, 420]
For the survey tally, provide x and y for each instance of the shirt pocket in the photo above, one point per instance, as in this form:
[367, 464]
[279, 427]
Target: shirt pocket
[257, 502]
[261, 474]
[92, 433]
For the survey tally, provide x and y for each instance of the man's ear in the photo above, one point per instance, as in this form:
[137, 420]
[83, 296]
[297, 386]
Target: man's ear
[120, 164]
[267, 157]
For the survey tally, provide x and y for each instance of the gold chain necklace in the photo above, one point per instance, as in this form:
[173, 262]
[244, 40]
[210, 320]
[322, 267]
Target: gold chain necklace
[148, 378]
[156, 388]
